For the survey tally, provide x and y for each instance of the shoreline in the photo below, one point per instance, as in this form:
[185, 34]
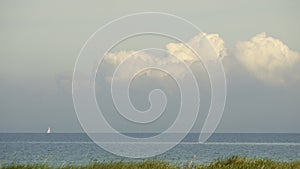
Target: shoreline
[231, 162]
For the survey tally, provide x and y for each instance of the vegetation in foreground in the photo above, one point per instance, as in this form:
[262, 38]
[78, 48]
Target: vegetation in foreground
[230, 163]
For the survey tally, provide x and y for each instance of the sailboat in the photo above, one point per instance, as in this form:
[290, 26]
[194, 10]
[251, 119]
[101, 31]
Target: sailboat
[49, 130]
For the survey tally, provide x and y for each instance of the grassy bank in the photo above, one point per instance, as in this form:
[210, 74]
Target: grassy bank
[230, 163]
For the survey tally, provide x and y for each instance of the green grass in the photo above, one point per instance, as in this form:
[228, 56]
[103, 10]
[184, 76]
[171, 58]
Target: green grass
[230, 163]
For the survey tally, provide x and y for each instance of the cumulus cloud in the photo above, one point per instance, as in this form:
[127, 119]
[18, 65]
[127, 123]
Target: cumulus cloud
[269, 59]
[136, 60]
[187, 55]
[180, 50]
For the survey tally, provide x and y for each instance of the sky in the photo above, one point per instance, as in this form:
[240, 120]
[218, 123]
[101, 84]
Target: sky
[257, 42]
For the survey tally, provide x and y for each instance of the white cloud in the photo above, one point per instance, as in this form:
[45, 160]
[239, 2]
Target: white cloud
[269, 59]
[187, 55]
[139, 59]
[215, 41]
[170, 62]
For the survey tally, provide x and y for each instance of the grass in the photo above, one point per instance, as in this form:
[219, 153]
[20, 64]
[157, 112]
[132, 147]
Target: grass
[229, 163]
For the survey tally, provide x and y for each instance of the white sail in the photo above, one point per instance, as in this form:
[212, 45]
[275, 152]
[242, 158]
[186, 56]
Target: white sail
[49, 130]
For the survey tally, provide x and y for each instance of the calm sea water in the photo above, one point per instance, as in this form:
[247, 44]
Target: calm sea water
[62, 148]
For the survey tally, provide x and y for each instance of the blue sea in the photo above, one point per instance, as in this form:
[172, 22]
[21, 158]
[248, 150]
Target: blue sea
[77, 148]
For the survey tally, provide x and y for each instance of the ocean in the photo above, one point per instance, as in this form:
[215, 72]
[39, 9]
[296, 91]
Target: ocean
[77, 148]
